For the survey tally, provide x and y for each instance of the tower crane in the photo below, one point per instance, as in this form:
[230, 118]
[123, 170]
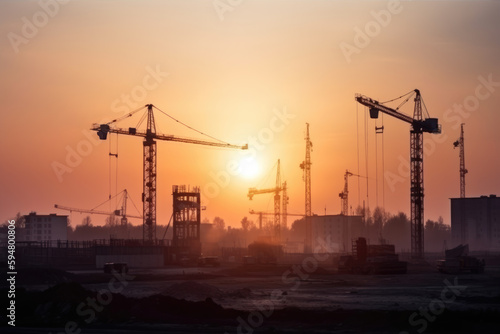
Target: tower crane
[276, 190]
[460, 143]
[122, 212]
[463, 223]
[149, 160]
[306, 176]
[419, 125]
[344, 195]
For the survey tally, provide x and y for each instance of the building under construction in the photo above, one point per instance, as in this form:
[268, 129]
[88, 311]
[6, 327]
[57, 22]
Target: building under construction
[186, 242]
[476, 221]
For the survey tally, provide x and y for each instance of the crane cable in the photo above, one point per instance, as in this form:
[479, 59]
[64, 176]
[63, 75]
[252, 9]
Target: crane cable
[379, 130]
[366, 158]
[425, 107]
[116, 170]
[143, 117]
[376, 165]
[104, 202]
[110, 157]
[407, 95]
[397, 98]
[125, 116]
[383, 165]
[173, 118]
[357, 148]
[191, 128]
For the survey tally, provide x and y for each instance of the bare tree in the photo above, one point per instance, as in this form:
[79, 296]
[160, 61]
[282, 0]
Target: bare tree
[87, 221]
[19, 219]
[112, 221]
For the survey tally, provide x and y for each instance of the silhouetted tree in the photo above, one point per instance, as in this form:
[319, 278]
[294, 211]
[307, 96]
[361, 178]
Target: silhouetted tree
[397, 231]
[219, 223]
[298, 229]
[379, 219]
[18, 218]
[247, 224]
[436, 234]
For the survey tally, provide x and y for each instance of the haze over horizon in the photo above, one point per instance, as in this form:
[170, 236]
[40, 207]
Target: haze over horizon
[254, 72]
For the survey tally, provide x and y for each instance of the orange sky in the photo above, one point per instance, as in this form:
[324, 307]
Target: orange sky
[228, 78]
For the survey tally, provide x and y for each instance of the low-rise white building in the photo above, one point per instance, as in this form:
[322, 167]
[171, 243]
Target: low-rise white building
[50, 227]
[335, 232]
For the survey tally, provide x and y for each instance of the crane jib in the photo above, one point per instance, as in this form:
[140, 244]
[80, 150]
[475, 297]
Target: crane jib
[429, 125]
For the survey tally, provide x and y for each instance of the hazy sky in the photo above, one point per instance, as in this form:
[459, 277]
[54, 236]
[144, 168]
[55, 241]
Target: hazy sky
[244, 71]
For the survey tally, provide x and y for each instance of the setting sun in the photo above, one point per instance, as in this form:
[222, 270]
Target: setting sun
[248, 168]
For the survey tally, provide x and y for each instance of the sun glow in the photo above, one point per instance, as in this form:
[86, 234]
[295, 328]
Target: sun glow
[248, 168]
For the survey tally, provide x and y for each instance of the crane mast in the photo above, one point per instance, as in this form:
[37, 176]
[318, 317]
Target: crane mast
[284, 206]
[460, 143]
[306, 167]
[149, 163]
[463, 224]
[417, 183]
[344, 195]
[418, 127]
[149, 179]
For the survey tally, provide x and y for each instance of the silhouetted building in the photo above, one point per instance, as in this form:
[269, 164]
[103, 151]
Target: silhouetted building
[186, 226]
[336, 231]
[476, 221]
[45, 228]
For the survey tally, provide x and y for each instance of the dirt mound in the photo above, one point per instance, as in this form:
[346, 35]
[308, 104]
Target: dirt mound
[192, 291]
[71, 302]
[240, 293]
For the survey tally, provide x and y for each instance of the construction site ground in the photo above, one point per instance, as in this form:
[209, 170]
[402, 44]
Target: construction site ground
[262, 299]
